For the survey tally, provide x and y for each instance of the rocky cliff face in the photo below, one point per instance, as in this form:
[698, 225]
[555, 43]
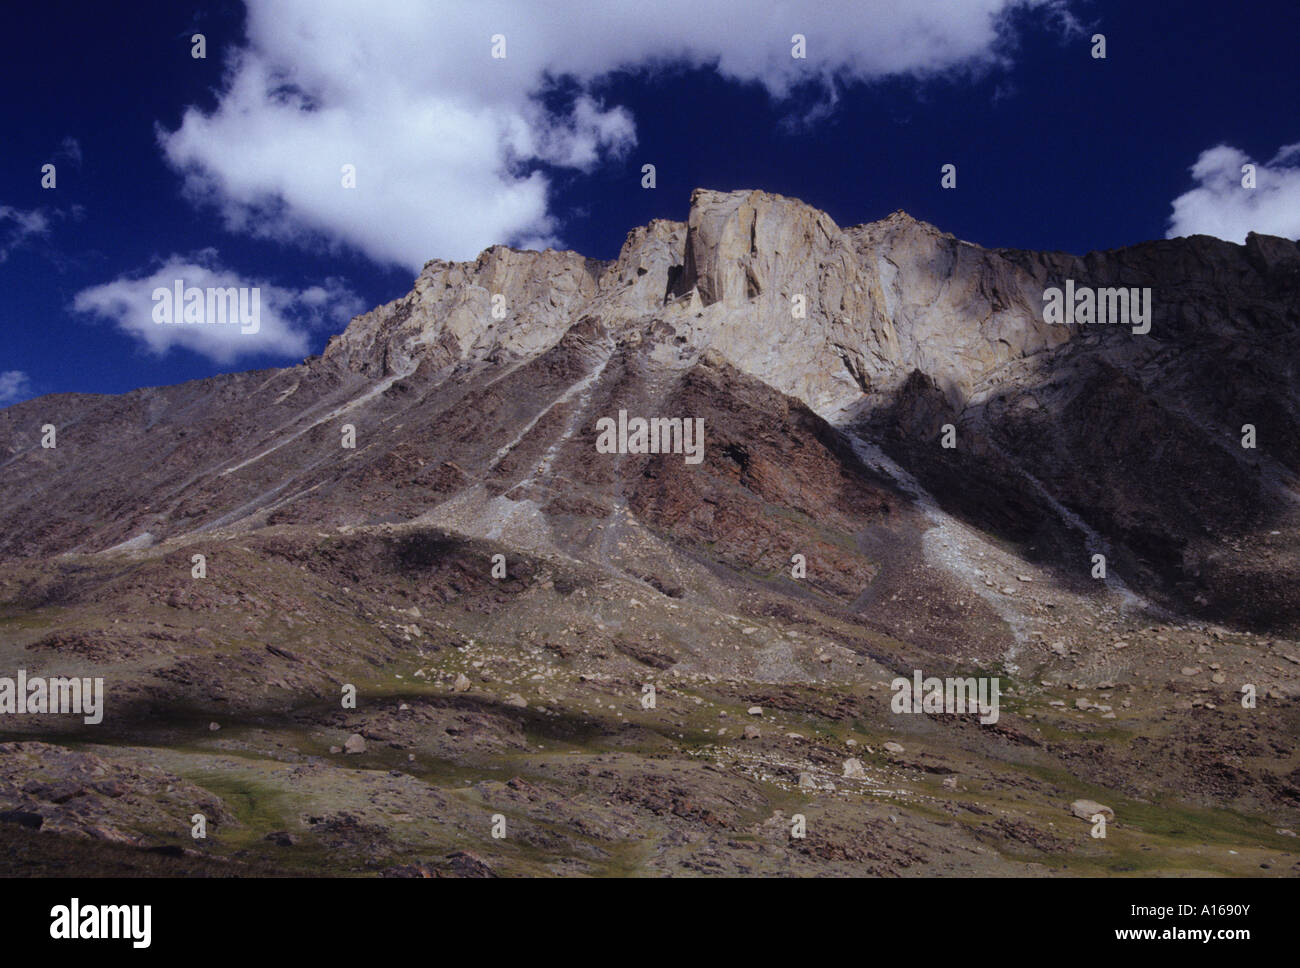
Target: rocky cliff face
[773, 285]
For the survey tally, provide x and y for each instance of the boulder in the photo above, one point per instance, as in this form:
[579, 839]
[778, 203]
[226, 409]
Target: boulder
[1087, 809]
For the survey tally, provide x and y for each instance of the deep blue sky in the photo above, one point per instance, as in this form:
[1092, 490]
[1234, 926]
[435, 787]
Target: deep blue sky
[1059, 151]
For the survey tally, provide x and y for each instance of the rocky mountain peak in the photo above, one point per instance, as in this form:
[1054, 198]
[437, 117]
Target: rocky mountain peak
[831, 316]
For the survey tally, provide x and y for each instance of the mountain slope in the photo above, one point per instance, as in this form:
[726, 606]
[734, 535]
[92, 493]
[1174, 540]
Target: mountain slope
[824, 364]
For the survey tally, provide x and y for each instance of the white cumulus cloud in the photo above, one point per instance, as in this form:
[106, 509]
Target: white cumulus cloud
[1221, 205]
[447, 141]
[285, 316]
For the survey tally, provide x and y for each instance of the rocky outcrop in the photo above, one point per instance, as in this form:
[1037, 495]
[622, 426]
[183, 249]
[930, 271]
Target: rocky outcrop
[450, 314]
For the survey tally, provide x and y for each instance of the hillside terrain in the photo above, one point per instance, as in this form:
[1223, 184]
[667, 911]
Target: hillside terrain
[505, 597]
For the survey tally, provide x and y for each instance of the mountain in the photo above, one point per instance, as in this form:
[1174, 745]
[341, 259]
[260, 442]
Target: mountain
[828, 369]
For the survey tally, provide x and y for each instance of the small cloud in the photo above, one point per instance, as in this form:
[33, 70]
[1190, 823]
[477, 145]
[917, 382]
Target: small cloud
[69, 148]
[18, 226]
[15, 385]
[285, 317]
[1220, 205]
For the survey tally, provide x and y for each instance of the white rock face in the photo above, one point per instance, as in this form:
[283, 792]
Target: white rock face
[449, 315]
[959, 311]
[772, 285]
[779, 291]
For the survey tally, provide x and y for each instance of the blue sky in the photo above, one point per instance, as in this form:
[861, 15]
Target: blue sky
[227, 168]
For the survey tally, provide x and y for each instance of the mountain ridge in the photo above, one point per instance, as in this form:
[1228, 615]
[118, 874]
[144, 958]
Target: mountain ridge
[881, 303]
